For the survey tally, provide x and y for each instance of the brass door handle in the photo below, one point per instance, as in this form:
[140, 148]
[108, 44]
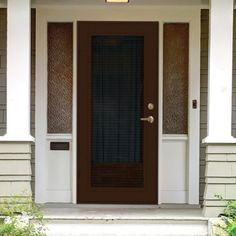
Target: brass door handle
[149, 119]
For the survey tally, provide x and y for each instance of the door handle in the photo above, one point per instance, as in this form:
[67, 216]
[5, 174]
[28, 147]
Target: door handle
[149, 119]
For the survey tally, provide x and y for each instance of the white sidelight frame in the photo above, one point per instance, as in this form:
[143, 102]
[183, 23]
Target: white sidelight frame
[159, 14]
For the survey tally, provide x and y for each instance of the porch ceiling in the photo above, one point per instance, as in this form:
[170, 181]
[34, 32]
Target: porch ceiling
[132, 2]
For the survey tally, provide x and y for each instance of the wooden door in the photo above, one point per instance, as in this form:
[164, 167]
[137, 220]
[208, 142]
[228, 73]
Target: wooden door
[117, 112]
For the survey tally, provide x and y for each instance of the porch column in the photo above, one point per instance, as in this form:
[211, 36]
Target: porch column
[220, 173]
[15, 146]
[18, 70]
[220, 72]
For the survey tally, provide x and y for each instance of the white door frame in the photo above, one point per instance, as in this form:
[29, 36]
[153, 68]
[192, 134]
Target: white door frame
[159, 14]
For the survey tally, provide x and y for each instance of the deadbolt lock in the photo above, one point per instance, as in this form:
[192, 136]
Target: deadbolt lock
[150, 106]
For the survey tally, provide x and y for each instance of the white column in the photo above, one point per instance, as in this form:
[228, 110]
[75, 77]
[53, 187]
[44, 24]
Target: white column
[220, 72]
[18, 70]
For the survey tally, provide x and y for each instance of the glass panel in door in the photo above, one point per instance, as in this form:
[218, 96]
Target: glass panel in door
[117, 105]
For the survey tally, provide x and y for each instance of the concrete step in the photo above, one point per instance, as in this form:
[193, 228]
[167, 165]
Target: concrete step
[124, 220]
[119, 227]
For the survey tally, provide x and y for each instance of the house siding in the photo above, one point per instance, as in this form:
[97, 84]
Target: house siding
[203, 96]
[32, 114]
[3, 53]
[234, 80]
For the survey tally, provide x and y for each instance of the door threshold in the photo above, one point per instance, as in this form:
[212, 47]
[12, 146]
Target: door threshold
[105, 206]
[118, 212]
[123, 206]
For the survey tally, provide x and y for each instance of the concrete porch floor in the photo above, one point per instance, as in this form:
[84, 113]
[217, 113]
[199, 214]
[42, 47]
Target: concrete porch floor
[124, 220]
[121, 212]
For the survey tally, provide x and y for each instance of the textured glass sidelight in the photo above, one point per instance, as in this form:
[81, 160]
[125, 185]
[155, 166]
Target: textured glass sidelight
[117, 105]
[175, 78]
[60, 73]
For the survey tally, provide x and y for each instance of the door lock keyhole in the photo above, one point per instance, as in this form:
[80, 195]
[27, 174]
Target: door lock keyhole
[150, 106]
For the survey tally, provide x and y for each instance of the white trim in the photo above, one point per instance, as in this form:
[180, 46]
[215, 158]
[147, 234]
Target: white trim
[194, 114]
[59, 136]
[175, 137]
[42, 195]
[160, 112]
[9, 138]
[41, 109]
[129, 13]
[74, 118]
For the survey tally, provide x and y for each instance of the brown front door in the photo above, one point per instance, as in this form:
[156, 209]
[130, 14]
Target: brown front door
[117, 86]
